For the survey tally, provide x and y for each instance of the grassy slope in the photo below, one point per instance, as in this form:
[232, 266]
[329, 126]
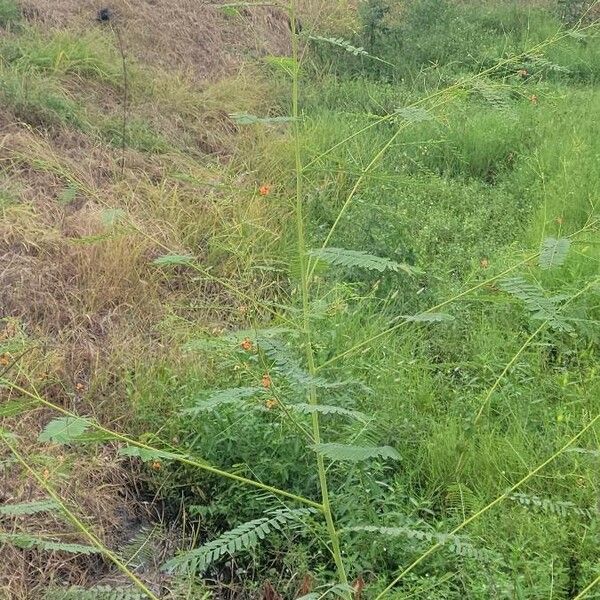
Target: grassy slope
[464, 195]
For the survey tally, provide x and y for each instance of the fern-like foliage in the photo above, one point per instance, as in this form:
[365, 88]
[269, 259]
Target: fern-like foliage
[99, 592]
[345, 452]
[242, 537]
[357, 258]
[28, 541]
[327, 409]
[411, 114]
[340, 43]
[553, 252]
[28, 508]
[454, 543]
[540, 306]
[494, 94]
[64, 430]
[556, 507]
[147, 454]
[220, 398]
[287, 364]
[12, 408]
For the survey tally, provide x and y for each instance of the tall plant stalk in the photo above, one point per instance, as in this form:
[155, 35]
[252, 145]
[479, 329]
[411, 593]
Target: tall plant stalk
[304, 292]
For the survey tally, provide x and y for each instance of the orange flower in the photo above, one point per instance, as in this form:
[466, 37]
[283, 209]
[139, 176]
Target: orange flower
[4, 359]
[247, 344]
[484, 263]
[156, 465]
[533, 99]
[266, 381]
[264, 190]
[271, 403]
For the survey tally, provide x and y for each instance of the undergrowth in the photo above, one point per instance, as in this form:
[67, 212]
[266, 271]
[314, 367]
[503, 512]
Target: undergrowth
[352, 306]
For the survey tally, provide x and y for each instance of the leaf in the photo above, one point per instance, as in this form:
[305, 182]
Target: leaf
[147, 454]
[28, 508]
[348, 47]
[358, 258]
[68, 195]
[219, 398]
[283, 63]
[554, 252]
[64, 430]
[355, 453]
[15, 407]
[173, 259]
[27, 541]
[242, 537]
[112, 216]
[454, 543]
[242, 118]
[325, 409]
[556, 507]
[413, 114]
[426, 317]
[540, 307]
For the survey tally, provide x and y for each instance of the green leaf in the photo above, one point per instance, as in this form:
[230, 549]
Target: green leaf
[541, 307]
[413, 114]
[219, 398]
[147, 454]
[242, 537]
[27, 541]
[554, 252]
[16, 407]
[28, 508]
[454, 543]
[325, 409]
[68, 195]
[174, 260]
[64, 430]
[358, 258]
[287, 64]
[355, 453]
[112, 216]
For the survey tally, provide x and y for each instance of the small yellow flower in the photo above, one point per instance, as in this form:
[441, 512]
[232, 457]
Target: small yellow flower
[4, 359]
[271, 403]
[46, 474]
[156, 466]
[484, 263]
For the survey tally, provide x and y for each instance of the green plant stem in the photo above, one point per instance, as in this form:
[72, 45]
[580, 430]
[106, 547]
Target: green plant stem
[177, 457]
[491, 505]
[587, 588]
[82, 527]
[304, 289]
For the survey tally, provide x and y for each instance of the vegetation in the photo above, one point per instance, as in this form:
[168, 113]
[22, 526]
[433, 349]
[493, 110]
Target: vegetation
[324, 327]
